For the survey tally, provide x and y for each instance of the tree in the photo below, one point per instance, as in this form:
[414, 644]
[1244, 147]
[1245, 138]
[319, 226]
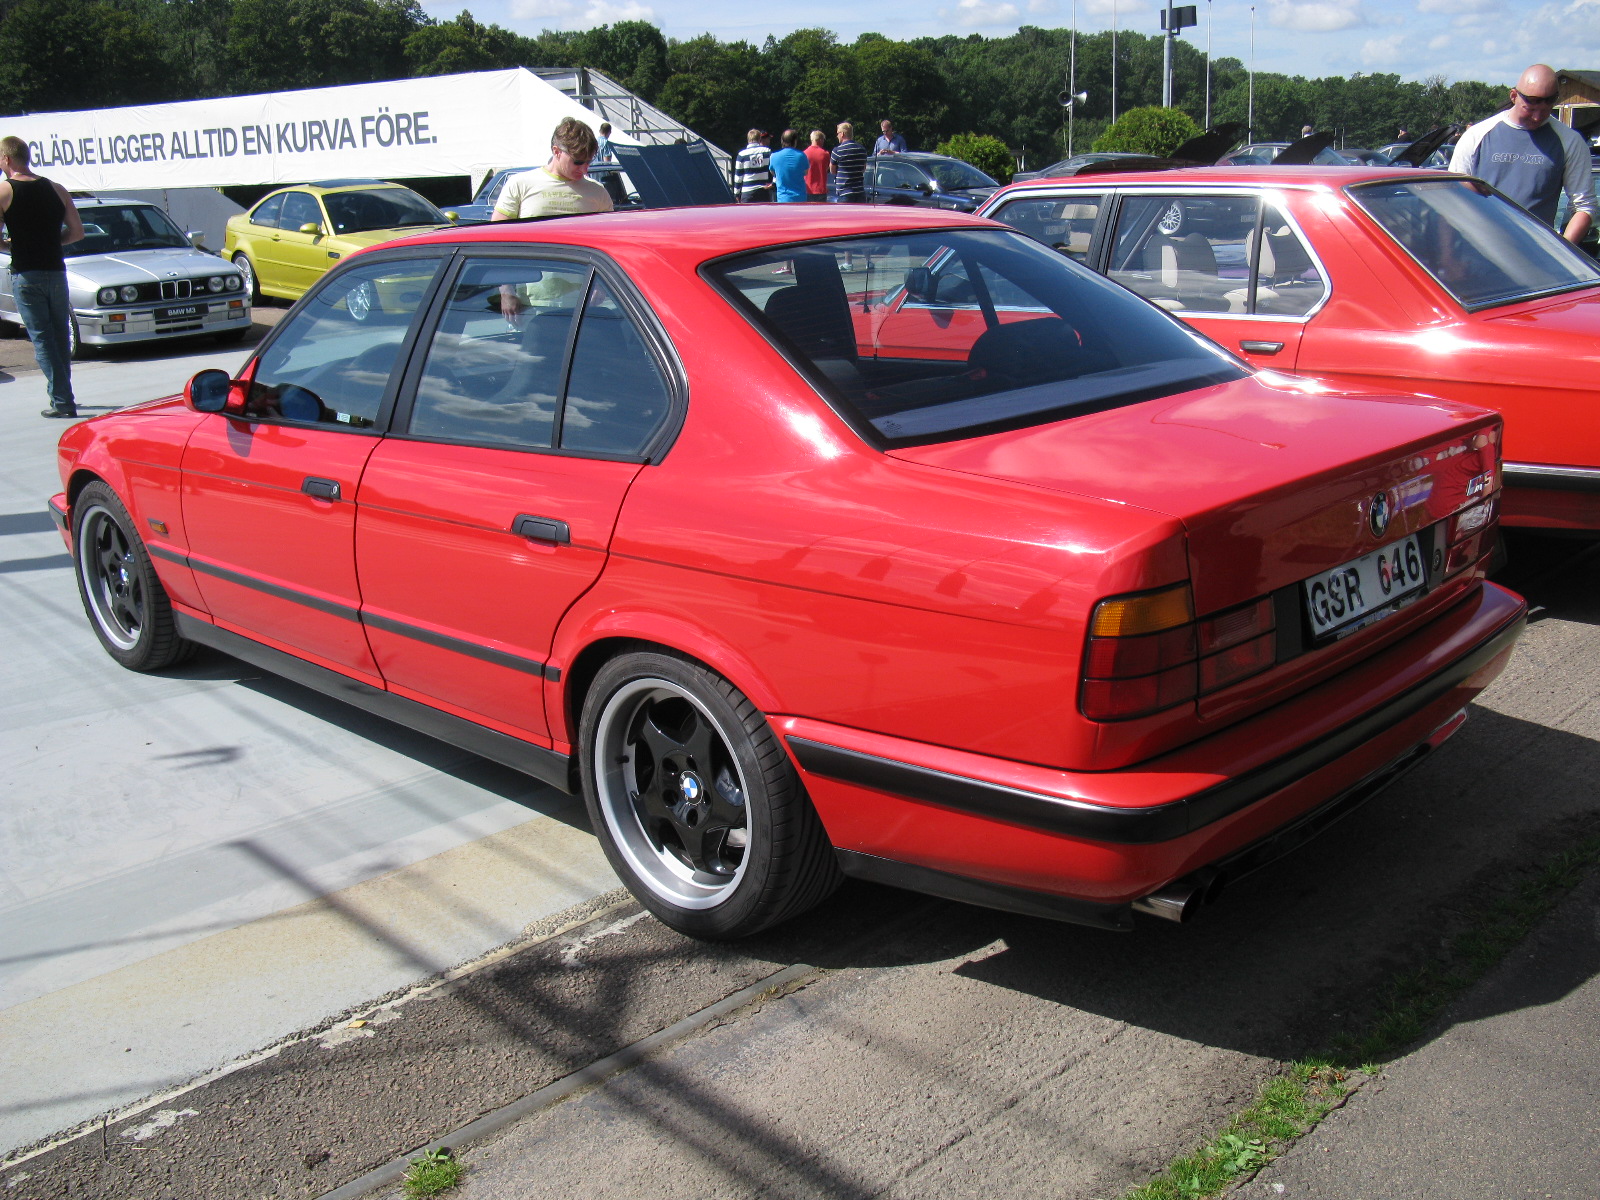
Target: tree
[278, 44]
[66, 54]
[901, 82]
[632, 52]
[451, 47]
[1150, 130]
[988, 154]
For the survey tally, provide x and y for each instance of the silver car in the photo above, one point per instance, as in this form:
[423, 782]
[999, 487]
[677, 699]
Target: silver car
[136, 277]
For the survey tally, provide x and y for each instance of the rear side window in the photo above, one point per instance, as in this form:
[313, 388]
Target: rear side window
[926, 337]
[331, 362]
[539, 354]
[1064, 223]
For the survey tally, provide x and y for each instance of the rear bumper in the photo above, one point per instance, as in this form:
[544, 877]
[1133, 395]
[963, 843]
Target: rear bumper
[1108, 838]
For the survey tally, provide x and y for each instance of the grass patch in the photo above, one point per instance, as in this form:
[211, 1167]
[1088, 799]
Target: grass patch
[432, 1172]
[1291, 1105]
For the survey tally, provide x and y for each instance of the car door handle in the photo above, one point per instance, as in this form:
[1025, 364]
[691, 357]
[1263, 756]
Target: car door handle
[322, 489]
[1261, 347]
[541, 529]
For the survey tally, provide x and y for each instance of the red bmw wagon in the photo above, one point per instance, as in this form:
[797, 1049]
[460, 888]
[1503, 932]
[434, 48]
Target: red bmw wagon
[814, 542]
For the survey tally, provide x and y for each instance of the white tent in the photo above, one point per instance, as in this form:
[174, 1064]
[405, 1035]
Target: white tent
[437, 125]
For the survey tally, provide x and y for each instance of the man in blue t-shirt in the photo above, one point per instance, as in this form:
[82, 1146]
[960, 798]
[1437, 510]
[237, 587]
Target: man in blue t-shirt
[889, 142]
[789, 167]
[1531, 158]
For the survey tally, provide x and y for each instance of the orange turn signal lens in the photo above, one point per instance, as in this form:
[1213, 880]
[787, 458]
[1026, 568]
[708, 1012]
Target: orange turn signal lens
[1152, 612]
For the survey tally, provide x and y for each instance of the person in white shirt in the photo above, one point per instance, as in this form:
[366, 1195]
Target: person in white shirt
[560, 187]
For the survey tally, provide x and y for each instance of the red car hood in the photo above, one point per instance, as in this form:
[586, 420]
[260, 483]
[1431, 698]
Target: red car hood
[1271, 482]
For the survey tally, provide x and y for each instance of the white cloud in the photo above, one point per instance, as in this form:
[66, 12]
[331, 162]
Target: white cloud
[1122, 9]
[1381, 52]
[1440, 42]
[1456, 6]
[569, 13]
[1043, 6]
[1316, 16]
[975, 13]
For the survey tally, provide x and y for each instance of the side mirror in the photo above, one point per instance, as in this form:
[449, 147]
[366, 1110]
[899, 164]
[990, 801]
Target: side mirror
[926, 188]
[451, 215]
[209, 391]
[312, 228]
[919, 283]
[195, 236]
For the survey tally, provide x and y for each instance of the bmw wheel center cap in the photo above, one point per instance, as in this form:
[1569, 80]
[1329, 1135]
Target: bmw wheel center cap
[689, 786]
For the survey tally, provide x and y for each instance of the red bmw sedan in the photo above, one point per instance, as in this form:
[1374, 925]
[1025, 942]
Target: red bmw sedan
[726, 520]
[1417, 281]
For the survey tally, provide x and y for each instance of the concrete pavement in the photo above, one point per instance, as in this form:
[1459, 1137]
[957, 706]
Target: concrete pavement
[1501, 1105]
[200, 862]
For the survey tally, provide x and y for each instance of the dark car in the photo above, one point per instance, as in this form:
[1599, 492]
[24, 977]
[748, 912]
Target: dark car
[1591, 240]
[608, 175]
[1071, 166]
[927, 180]
[1260, 154]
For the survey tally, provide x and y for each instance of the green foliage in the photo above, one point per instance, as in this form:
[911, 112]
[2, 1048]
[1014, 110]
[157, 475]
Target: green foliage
[432, 1172]
[988, 154]
[71, 54]
[1154, 130]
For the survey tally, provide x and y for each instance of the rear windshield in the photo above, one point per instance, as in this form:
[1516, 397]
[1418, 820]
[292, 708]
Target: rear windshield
[1482, 249]
[930, 337]
[381, 208]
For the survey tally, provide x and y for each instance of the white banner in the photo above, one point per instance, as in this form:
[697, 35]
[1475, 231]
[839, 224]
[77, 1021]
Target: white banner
[438, 125]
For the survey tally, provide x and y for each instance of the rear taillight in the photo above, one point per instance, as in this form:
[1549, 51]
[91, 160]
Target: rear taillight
[1147, 652]
[1468, 534]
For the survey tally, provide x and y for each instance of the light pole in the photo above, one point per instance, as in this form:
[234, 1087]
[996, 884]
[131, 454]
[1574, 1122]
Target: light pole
[1072, 76]
[1113, 62]
[1250, 120]
[1208, 64]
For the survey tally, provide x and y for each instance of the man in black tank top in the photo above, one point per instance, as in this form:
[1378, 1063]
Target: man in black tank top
[40, 218]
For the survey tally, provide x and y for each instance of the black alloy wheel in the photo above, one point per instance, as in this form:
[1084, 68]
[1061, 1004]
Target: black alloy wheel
[695, 800]
[126, 604]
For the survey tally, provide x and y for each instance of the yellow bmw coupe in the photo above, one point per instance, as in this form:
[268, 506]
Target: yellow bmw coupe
[285, 243]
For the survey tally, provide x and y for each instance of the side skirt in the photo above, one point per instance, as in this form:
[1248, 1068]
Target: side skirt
[544, 765]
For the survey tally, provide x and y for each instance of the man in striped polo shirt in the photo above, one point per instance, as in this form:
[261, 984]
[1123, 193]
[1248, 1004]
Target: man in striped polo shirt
[752, 170]
[849, 167]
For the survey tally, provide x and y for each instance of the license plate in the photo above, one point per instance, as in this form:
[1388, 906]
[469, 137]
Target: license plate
[1365, 585]
[188, 310]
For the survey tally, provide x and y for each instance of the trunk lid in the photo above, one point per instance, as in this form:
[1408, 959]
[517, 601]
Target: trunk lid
[1273, 478]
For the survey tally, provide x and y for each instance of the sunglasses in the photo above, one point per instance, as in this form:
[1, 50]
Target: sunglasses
[1530, 99]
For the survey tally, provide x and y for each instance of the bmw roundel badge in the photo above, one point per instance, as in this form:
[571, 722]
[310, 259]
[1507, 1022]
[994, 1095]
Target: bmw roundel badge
[689, 786]
[1378, 515]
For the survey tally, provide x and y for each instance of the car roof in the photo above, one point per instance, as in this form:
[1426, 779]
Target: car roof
[693, 235]
[328, 186]
[96, 201]
[1255, 175]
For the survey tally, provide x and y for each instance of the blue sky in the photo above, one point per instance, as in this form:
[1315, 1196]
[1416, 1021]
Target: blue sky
[1489, 40]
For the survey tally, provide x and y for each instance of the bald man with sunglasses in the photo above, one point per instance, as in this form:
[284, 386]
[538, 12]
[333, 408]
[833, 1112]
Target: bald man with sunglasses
[1531, 158]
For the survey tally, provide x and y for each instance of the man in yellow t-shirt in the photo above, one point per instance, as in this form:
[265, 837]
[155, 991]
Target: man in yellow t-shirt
[561, 186]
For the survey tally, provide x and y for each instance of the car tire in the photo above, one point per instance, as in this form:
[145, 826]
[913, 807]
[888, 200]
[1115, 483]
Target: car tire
[125, 602]
[248, 270]
[76, 350]
[362, 301]
[695, 801]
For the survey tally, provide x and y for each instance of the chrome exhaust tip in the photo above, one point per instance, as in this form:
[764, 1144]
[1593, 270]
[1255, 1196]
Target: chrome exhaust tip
[1179, 900]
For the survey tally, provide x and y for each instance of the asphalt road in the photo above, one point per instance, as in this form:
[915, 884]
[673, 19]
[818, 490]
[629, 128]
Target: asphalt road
[213, 862]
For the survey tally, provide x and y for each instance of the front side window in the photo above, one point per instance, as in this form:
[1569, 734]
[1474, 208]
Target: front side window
[380, 208]
[898, 175]
[299, 208]
[1481, 248]
[954, 175]
[929, 337]
[1064, 223]
[331, 361]
[266, 213]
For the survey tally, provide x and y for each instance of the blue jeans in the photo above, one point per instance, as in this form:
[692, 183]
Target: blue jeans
[42, 304]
